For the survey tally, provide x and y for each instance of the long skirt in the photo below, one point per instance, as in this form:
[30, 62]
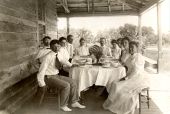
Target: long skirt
[123, 95]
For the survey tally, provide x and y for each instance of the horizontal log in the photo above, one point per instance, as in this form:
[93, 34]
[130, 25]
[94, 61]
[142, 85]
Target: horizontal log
[16, 13]
[17, 88]
[6, 47]
[28, 6]
[14, 74]
[6, 26]
[51, 21]
[12, 19]
[15, 37]
[51, 6]
[22, 100]
[51, 28]
[52, 17]
[50, 12]
[52, 33]
[14, 59]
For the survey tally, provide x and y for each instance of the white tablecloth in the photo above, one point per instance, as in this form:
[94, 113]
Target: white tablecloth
[86, 76]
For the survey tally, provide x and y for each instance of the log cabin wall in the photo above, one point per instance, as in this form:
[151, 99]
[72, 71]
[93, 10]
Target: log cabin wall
[19, 41]
[51, 19]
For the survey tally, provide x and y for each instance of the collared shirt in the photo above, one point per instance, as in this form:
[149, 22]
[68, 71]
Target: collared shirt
[82, 51]
[116, 53]
[48, 67]
[70, 49]
[106, 51]
[42, 53]
[64, 56]
[125, 55]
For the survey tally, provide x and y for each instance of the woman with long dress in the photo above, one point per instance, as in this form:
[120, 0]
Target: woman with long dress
[82, 50]
[125, 51]
[123, 95]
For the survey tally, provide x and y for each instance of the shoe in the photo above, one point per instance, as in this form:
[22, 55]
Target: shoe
[66, 109]
[77, 105]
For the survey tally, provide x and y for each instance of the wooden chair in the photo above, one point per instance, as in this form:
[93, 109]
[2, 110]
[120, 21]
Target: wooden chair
[147, 98]
[48, 92]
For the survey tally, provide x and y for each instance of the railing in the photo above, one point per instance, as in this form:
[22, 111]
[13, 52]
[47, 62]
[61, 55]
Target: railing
[151, 64]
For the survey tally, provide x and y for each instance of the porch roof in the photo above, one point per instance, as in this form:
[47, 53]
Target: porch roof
[80, 8]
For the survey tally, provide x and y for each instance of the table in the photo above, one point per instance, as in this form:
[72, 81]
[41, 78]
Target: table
[86, 76]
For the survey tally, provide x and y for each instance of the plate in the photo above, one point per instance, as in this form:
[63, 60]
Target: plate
[83, 66]
[106, 66]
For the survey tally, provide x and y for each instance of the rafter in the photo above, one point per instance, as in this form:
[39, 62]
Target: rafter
[88, 6]
[130, 4]
[148, 5]
[65, 6]
[93, 10]
[84, 14]
[109, 7]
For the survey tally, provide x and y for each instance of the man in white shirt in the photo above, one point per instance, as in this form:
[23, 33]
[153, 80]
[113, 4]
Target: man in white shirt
[48, 75]
[70, 46]
[64, 56]
[45, 49]
[82, 50]
[106, 50]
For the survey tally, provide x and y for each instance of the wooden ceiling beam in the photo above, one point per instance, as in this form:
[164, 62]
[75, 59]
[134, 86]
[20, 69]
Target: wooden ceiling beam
[109, 5]
[149, 5]
[85, 14]
[130, 4]
[88, 6]
[65, 5]
[93, 10]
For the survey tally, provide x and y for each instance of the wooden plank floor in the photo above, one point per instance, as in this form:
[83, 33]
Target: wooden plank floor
[92, 101]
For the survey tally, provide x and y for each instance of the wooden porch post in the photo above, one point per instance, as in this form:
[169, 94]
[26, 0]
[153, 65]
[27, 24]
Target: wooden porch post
[140, 26]
[68, 25]
[159, 32]
[140, 31]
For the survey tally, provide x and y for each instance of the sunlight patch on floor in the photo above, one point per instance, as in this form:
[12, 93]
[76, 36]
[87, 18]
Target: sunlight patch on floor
[160, 91]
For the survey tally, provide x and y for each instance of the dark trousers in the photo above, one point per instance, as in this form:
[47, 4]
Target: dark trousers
[62, 72]
[66, 85]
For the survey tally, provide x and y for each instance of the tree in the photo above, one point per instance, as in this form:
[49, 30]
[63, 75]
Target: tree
[148, 35]
[128, 30]
[166, 39]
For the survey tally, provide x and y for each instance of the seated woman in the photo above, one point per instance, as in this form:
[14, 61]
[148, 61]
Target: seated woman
[115, 50]
[123, 95]
[125, 51]
[82, 50]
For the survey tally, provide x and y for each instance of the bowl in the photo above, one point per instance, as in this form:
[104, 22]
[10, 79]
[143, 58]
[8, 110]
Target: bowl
[106, 64]
[115, 64]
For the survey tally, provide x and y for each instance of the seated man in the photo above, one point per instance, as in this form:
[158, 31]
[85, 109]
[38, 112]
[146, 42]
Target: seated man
[70, 46]
[64, 55]
[45, 49]
[106, 50]
[48, 75]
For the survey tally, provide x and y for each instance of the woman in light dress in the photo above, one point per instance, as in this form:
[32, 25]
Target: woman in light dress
[115, 50]
[125, 51]
[123, 95]
[82, 50]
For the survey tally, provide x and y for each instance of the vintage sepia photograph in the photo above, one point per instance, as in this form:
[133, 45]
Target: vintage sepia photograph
[84, 56]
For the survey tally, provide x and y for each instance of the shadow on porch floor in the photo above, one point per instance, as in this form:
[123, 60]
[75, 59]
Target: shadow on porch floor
[93, 103]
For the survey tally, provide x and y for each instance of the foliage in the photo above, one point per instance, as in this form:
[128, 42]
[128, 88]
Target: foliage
[166, 38]
[129, 30]
[149, 36]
